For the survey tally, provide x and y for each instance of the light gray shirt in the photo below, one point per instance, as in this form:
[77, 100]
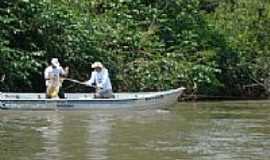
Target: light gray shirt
[101, 79]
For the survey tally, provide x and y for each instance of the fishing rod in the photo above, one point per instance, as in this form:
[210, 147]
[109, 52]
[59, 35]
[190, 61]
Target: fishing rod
[79, 82]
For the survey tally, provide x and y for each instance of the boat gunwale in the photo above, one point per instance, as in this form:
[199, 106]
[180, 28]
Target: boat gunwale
[147, 95]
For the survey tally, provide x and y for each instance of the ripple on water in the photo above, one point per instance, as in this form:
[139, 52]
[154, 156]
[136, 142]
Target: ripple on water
[200, 132]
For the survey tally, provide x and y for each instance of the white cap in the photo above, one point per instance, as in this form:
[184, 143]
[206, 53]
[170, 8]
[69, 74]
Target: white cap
[97, 64]
[55, 62]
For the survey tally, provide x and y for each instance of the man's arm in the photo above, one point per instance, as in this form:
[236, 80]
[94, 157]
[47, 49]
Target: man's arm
[64, 72]
[91, 80]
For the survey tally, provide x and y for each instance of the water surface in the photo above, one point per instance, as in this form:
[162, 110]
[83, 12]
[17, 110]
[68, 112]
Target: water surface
[201, 131]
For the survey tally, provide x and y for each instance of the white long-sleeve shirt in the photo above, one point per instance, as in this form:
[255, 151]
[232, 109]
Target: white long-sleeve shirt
[101, 79]
[52, 75]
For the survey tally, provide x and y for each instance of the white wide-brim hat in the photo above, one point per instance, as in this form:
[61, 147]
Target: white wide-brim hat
[97, 64]
[55, 62]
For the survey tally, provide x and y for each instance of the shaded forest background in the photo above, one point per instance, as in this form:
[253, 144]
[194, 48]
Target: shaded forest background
[212, 47]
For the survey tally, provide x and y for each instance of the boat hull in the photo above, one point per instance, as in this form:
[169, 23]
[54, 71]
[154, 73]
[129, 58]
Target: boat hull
[32, 101]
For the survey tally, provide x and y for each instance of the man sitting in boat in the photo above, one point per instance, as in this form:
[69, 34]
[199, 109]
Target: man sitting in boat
[53, 75]
[100, 77]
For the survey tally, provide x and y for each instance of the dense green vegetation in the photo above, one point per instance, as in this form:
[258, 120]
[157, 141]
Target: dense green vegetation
[214, 47]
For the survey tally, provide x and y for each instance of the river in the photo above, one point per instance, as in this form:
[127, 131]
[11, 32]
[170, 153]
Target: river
[197, 131]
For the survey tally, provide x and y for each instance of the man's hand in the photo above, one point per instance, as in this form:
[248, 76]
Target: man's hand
[66, 70]
[99, 86]
[3, 78]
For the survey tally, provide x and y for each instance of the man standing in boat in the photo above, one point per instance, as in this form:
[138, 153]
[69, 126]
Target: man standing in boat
[53, 75]
[101, 81]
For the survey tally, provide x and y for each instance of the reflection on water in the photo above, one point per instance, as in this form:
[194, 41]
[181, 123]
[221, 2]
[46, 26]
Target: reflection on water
[49, 135]
[99, 136]
[207, 131]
